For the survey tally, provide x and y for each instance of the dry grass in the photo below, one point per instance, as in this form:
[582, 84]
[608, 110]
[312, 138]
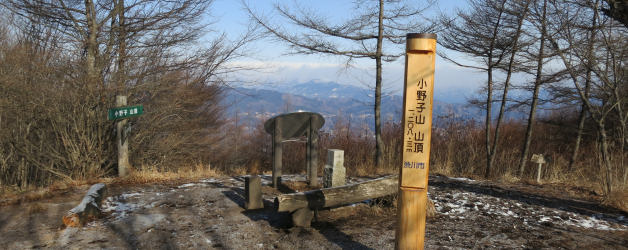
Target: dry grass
[618, 199]
[510, 178]
[148, 175]
[12, 196]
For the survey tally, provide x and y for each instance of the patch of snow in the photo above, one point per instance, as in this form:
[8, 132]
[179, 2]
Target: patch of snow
[461, 179]
[126, 196]
[591, 222]
[151, 205]
[504, 213]
[188, 185]
[212, 180]
[117, 208]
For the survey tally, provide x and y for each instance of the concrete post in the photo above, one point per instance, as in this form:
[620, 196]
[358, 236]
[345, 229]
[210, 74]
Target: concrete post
[538, 173]
[334, 172]
[538, 159]
[253, 192]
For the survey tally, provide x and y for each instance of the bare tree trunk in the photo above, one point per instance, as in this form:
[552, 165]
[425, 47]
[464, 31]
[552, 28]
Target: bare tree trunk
[606, 161]
[379, 143]
[490, 155]
[576, 148]
[535, 95]
[511, 62]
[587, 88]
[622, 152]
[621, 128]
[121, 49]
[92, 44]
[489, 99]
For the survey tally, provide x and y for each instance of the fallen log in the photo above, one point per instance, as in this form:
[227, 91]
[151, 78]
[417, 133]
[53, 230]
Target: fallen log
[338, 196]
[88, 209]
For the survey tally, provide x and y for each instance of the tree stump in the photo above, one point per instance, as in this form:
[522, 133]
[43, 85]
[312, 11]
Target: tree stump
[89, 208]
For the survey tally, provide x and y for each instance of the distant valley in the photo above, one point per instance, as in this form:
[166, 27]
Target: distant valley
[332, 100]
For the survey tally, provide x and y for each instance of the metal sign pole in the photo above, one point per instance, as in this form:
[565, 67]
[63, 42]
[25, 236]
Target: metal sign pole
[417, 132]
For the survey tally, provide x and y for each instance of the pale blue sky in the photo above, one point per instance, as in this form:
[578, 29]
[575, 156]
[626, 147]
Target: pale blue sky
[287, 69]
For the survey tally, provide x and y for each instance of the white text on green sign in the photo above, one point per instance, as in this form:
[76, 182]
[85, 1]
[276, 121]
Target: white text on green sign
[125, 112]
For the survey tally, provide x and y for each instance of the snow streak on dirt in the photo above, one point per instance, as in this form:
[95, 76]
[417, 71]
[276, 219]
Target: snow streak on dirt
[209, 214]
[463, 204]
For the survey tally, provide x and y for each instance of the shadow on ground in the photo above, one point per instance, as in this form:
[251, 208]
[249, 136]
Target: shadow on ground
[283, 220]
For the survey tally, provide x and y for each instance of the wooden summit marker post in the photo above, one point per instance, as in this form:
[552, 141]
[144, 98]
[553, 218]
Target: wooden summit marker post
[417, 133]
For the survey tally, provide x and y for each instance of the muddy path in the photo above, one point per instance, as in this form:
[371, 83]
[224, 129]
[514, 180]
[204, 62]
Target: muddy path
[209, 214]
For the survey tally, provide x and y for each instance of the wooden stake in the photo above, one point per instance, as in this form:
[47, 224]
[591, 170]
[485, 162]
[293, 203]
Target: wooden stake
[412, 208]
[122, 141]
[417, 122]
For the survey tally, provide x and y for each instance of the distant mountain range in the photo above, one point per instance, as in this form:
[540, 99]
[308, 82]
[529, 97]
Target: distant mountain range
[332, 100]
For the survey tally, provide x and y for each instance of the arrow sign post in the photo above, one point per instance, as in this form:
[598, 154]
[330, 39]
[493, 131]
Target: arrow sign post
[417, 132]
[120, 114]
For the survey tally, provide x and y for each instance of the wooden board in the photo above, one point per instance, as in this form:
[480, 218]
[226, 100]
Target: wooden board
[337, 196]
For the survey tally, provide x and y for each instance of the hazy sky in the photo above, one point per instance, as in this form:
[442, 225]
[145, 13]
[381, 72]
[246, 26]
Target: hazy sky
[280, 68]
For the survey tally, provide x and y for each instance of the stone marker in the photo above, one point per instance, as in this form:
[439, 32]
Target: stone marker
[253, 192]
[334, 172]
[88, 209]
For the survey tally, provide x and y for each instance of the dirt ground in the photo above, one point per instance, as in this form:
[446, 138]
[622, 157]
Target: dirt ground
[209, 215]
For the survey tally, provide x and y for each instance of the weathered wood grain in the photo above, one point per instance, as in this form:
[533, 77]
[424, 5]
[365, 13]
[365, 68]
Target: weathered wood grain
[88, 209]
[338, 196]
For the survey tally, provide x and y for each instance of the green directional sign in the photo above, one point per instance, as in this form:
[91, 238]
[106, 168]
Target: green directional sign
[125, 112]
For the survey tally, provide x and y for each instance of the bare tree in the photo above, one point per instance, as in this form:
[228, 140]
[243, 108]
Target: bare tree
[371, 33]
[541, 24]
[587, 89]
[607, 66]
[63, 75]
[106, 30]
[618, 10]
[490, 33]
